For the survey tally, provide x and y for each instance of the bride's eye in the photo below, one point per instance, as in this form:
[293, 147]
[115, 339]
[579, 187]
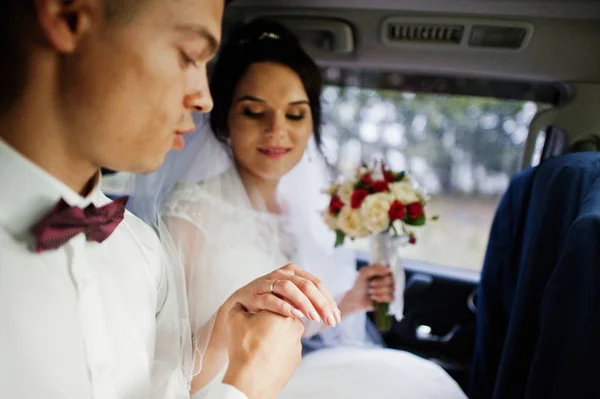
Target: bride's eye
[295, 117]
[254, 115]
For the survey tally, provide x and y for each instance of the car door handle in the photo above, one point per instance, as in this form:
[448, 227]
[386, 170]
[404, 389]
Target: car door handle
[423, 333]
[416, 284]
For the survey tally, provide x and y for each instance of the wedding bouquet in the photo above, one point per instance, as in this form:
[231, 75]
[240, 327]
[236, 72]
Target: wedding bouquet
[377, 203]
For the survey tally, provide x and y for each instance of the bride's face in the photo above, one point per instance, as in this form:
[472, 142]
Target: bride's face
[270, 121]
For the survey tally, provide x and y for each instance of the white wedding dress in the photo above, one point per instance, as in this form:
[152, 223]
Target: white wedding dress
[234, 244]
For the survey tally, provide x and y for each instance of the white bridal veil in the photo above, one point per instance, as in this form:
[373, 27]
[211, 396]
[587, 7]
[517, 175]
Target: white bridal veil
[219, 233]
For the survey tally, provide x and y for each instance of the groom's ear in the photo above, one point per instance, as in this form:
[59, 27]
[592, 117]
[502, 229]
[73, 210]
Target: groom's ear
[65, 22]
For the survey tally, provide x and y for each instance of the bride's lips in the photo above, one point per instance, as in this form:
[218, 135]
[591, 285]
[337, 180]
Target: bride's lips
[274, 152]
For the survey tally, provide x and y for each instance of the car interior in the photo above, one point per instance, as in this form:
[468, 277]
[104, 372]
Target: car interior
[464, 94]
[547, 52]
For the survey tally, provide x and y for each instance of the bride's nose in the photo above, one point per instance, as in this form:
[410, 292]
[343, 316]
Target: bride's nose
[276, 125]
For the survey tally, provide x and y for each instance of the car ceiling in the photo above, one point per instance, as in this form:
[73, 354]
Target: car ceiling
[564, 45]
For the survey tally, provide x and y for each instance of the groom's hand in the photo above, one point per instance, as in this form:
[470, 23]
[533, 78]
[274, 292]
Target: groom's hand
[264, 351]
[289, 291]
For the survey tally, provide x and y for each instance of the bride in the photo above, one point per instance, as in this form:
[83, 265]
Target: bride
[245, 202]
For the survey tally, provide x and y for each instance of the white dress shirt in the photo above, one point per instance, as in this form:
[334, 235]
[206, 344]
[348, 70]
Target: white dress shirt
[87, 320]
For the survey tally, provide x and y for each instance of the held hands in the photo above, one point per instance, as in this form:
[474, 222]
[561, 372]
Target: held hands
[264, 328]
[264, 351]
[291, 292]
[374, 284]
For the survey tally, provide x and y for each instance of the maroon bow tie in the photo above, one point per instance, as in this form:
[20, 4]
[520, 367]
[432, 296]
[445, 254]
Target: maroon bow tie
[65, 222]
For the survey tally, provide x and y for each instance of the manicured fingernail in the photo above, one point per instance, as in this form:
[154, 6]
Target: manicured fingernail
[331, 320]
[338, 315]
[296, 313]
[314, 316]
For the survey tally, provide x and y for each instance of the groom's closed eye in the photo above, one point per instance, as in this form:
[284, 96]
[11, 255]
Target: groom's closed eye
[210, 43]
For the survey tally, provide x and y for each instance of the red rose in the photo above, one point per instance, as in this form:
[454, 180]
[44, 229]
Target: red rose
[397, 211]
[358, 196]
[412, 239]
[389, 177]
[367, 179]
[415, 210]
[380, 186]
[335, 205]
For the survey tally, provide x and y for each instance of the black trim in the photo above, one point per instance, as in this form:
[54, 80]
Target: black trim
[539, 92]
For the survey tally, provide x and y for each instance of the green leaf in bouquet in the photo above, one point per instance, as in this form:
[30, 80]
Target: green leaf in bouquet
[339, 237]
[420, 221]
[400, 176]
[361, 185]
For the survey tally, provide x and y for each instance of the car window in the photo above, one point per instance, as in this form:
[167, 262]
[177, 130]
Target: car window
[462, 149]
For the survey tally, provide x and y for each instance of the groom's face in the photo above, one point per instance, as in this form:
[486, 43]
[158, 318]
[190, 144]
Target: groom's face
[131, 87]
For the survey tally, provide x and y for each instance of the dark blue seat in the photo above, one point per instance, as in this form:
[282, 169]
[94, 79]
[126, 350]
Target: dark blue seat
[538, 321]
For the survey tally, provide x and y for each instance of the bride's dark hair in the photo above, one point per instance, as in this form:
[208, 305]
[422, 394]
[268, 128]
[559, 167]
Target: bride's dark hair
[261, 41]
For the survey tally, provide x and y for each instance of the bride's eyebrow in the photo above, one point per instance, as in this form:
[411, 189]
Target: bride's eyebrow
[301, 102]
[251, 98]
[259, 100]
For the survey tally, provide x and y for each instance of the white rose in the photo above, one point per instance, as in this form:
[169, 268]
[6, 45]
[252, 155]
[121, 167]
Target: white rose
[404, 192]
[330, 220]
[331, 189]
[345, 192]
[374, 212]
[350, 222]
[361, 171]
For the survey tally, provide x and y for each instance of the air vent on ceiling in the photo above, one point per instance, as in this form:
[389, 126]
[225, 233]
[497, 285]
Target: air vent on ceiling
[456, 33]
[432, 33]
[500, 37]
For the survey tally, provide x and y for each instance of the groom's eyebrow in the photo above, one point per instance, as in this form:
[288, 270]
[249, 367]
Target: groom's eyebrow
[203, 33]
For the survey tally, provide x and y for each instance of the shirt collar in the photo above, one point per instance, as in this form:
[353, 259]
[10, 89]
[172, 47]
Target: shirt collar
[28, 193]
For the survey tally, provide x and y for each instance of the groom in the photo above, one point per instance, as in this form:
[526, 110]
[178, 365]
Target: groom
[86, 305]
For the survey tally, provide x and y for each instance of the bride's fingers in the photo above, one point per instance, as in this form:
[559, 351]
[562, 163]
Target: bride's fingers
[380, 291]
[276, 305]
[386, 298]
[289, 291]
[298, 271]
[381, 282]
[375, 271]
[326, 311]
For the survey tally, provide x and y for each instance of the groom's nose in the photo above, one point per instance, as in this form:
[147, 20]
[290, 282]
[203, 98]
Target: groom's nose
[198, 98]
[199, 102]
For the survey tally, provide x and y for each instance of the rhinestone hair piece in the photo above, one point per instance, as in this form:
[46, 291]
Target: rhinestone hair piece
[263, 36]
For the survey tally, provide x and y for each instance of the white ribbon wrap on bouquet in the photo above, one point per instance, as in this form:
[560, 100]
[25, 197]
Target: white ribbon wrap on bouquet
[385, 251]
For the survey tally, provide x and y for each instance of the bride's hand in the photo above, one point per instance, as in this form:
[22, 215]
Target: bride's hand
[373, 284]
[289, 291]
